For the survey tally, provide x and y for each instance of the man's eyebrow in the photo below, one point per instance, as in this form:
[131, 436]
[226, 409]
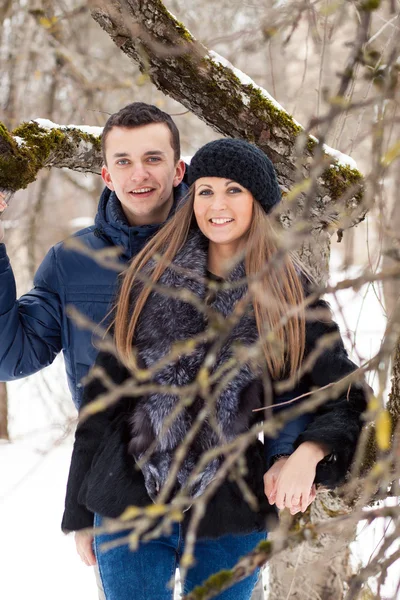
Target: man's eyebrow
[120, 154]
[153, 152]
[148, 153]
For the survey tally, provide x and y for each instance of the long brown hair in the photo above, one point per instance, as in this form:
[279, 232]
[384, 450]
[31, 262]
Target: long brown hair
[275, 288]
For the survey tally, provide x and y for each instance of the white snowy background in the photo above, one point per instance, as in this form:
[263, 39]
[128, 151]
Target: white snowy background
[37, 560]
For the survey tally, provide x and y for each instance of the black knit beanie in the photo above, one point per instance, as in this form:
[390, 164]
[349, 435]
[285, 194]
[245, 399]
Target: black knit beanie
[242, 162]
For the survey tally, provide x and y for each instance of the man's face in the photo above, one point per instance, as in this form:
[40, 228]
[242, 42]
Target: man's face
[142, 172]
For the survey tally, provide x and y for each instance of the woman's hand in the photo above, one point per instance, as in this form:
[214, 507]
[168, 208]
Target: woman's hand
[289, 483]
[84, 547]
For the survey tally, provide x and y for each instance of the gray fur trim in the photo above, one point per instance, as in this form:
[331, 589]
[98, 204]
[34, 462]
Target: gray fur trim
[163, 321]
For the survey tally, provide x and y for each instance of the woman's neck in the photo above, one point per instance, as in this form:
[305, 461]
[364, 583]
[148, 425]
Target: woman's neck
[220, 257]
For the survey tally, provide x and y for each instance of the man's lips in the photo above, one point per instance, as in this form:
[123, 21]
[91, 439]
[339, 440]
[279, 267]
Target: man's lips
[142, 192]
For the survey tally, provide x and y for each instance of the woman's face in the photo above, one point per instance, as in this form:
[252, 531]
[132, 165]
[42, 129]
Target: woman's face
[223, 210]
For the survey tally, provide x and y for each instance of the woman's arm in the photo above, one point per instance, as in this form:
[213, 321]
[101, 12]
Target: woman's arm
[278, 488]
[337, 424]
[325, 449]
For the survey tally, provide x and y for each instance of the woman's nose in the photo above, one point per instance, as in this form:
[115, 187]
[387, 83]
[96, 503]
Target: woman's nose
[219, 201]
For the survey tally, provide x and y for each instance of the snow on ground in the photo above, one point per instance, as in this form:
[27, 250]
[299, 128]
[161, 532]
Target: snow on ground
[37, 560]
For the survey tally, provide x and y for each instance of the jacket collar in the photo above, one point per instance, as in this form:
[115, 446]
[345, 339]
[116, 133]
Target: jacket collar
[111, 223]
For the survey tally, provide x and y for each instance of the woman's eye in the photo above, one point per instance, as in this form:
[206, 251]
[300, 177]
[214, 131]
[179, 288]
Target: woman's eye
[234, 190]
[204, 192]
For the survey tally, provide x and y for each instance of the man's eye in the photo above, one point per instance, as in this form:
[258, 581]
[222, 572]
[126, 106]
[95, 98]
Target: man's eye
[122, 161]
[154, 159]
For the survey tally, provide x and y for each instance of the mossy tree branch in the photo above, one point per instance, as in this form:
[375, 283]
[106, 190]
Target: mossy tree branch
[225, 99]
[30, 147]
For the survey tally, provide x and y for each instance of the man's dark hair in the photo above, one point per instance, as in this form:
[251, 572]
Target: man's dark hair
[138, 114]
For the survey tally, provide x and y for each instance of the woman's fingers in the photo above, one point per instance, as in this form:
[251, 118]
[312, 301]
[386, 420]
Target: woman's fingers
[293, 487]
[269, 485]
[271, 478]
[280, 497]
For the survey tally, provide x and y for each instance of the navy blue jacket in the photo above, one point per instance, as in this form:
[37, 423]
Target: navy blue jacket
[35, 327]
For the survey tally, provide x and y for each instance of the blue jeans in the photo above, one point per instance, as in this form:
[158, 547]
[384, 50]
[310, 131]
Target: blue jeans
[146, 573]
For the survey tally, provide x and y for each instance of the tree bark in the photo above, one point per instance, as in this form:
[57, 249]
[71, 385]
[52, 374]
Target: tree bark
[316, 569]
[4, 435]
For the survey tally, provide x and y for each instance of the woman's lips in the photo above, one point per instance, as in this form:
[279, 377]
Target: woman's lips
[221, 224]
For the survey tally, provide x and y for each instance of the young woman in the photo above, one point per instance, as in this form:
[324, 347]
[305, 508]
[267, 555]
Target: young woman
[218, 281]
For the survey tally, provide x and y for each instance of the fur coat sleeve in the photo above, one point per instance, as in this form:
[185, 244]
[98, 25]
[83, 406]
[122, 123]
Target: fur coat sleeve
[337, 423]
[88, 437]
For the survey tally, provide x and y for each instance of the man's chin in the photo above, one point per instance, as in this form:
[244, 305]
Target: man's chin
[145, 212]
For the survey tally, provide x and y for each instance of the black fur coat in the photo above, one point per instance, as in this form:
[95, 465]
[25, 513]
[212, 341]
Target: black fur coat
[104, 477]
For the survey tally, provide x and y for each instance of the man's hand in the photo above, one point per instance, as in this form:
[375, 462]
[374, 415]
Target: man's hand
[84, 547]
[289, 483]
[3, 207]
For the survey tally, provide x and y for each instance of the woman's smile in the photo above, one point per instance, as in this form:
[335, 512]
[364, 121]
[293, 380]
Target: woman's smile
[220, 221]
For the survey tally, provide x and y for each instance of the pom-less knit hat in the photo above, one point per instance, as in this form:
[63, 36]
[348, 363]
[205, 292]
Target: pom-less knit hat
[242, 162]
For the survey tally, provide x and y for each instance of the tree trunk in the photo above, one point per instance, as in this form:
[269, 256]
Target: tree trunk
[315, 570]
[4, 435]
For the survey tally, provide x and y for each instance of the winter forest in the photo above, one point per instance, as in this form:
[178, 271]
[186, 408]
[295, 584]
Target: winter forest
[316, 85]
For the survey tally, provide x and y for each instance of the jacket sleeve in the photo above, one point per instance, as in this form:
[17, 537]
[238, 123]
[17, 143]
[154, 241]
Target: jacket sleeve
[88, 437]
[288, 434]
[337, 423]
[30, 328]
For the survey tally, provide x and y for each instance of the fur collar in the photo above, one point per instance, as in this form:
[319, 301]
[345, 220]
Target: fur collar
[165, 320]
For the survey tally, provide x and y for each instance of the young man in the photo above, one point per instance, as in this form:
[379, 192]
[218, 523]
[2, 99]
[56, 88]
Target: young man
[143, 174]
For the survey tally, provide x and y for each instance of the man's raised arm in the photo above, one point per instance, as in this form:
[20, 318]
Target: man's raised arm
[30, 327]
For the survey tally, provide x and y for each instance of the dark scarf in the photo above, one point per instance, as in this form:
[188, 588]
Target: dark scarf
[164, 321]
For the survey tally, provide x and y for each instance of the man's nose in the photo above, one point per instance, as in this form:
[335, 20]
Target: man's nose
[139, 172]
